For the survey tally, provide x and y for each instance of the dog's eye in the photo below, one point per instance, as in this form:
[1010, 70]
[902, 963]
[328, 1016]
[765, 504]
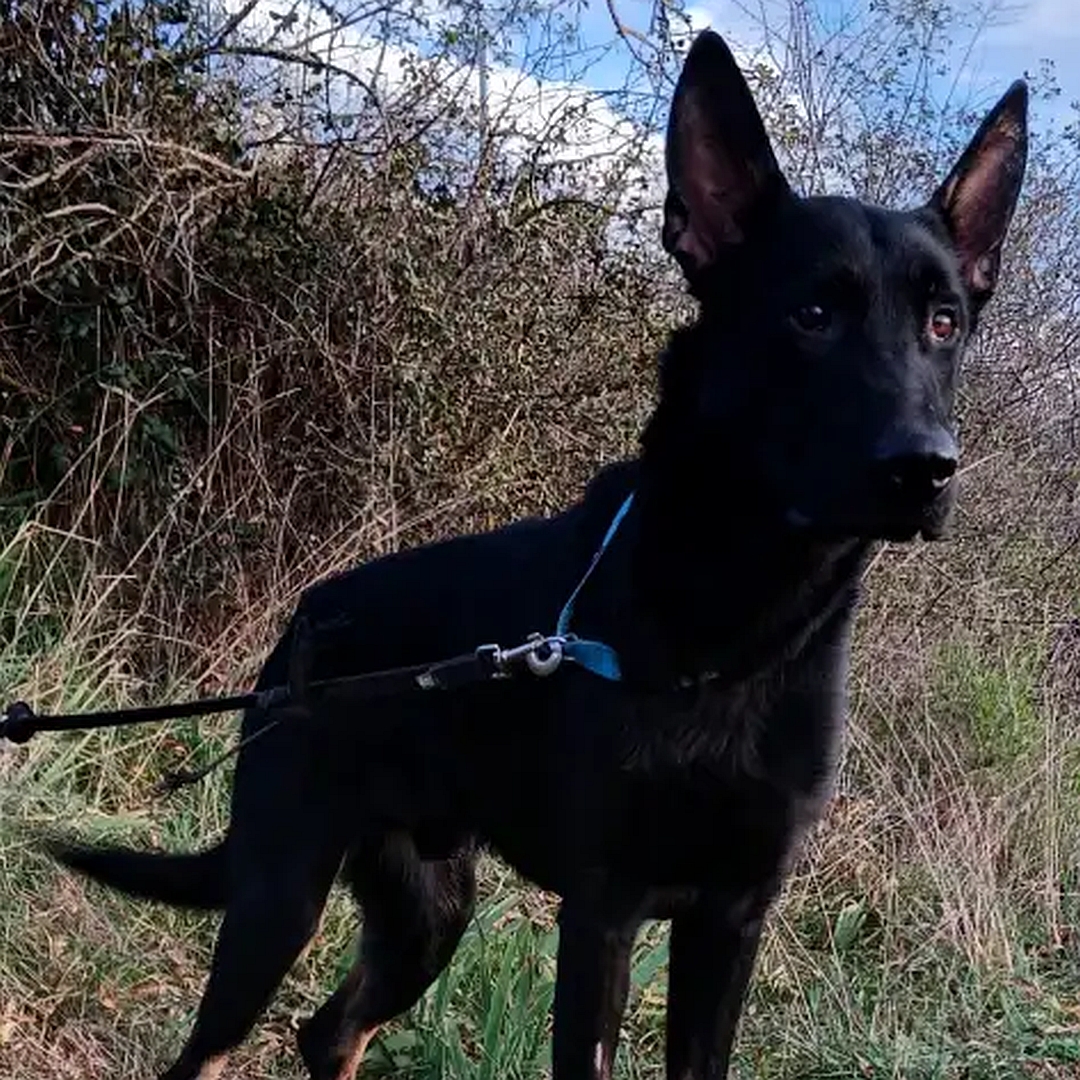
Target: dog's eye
[942, 324]
[813, 318]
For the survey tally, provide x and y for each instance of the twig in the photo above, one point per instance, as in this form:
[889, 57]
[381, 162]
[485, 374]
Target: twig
[286, 56]
[622, 29]
[79, 208]
[232, 24]
[136, 140]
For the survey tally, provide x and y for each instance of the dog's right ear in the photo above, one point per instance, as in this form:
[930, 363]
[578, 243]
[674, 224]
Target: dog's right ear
[721, 169]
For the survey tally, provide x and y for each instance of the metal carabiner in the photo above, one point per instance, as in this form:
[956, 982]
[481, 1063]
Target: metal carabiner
[544, 665]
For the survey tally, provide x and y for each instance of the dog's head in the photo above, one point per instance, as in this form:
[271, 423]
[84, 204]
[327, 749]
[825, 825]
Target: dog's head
[823, 367]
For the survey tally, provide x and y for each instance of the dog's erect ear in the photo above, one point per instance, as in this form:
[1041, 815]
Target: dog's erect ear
[977, 199]
[720, 165]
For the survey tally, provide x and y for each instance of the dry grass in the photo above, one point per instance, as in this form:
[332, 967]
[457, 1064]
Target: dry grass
[929, 930]
[225, 377]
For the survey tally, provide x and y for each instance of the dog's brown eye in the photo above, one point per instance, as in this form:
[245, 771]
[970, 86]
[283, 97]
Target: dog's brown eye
[813, 319]
[943, 324]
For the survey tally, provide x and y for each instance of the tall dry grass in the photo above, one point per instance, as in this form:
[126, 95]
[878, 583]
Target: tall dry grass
[227, 372]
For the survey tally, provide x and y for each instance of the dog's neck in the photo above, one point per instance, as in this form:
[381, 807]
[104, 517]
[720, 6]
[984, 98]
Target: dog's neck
[725, 581]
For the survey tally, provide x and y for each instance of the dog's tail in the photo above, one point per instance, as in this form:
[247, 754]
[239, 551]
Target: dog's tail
[198, 881]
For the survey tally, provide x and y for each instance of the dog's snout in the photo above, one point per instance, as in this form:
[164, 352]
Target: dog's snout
[915, 469]
[918, 477]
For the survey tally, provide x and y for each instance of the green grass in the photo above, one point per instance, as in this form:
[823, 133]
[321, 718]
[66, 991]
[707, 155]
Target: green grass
[993, 699]
[841, 991]
[926, 934]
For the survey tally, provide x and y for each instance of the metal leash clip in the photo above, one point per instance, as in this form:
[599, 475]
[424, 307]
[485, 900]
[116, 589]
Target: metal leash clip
[542, 655]
[546, 654]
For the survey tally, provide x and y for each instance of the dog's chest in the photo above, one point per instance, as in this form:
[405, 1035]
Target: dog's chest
[715, 783]
[780, 731]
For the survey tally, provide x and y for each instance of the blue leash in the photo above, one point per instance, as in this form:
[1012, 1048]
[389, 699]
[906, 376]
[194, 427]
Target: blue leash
[594, 656]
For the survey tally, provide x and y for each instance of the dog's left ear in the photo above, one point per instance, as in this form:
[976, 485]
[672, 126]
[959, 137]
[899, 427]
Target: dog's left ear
[977, 199]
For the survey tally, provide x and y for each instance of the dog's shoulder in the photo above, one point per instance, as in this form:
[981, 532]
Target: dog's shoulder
[607, 490]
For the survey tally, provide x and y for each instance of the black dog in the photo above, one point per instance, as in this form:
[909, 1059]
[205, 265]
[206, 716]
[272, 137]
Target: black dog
[806, 413]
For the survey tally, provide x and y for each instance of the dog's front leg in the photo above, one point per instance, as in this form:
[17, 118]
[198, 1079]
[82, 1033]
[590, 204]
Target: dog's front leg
[595, 940]
[713, 947]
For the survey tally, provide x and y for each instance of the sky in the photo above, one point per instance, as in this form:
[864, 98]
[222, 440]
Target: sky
[1019, 36]
[1030, 32]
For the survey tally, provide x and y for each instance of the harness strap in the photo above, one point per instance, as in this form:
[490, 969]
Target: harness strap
[594, 656]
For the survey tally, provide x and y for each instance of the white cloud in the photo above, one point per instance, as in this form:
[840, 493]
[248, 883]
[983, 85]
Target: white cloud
[699, 18]
[1055, 21]
[573, 122]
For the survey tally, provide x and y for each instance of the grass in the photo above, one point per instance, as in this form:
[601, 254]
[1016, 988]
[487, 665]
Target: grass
[927, 933]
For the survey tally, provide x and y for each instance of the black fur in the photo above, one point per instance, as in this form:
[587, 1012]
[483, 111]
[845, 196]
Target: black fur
[806, 413]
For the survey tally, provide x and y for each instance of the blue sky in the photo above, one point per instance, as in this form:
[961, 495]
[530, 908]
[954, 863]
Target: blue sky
[1029, 31]
[1019, 35]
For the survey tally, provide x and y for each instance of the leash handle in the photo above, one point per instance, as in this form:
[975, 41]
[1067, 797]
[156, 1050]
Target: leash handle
[18, 724]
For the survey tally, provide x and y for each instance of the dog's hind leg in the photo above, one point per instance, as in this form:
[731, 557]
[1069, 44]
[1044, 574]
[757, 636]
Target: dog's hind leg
[414, 915]
[273, 910]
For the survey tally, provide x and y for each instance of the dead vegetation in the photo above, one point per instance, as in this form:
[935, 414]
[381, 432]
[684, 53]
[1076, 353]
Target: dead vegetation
[230, 365]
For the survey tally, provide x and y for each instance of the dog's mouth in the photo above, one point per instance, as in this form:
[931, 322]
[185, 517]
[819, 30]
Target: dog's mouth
[928, 524]
[863, 509]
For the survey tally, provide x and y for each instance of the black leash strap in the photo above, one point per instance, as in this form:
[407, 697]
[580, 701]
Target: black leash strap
[19, 723]
[447, 675]
[541, 655]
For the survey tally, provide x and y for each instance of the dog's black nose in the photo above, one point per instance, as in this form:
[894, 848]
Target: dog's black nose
[914, 470]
